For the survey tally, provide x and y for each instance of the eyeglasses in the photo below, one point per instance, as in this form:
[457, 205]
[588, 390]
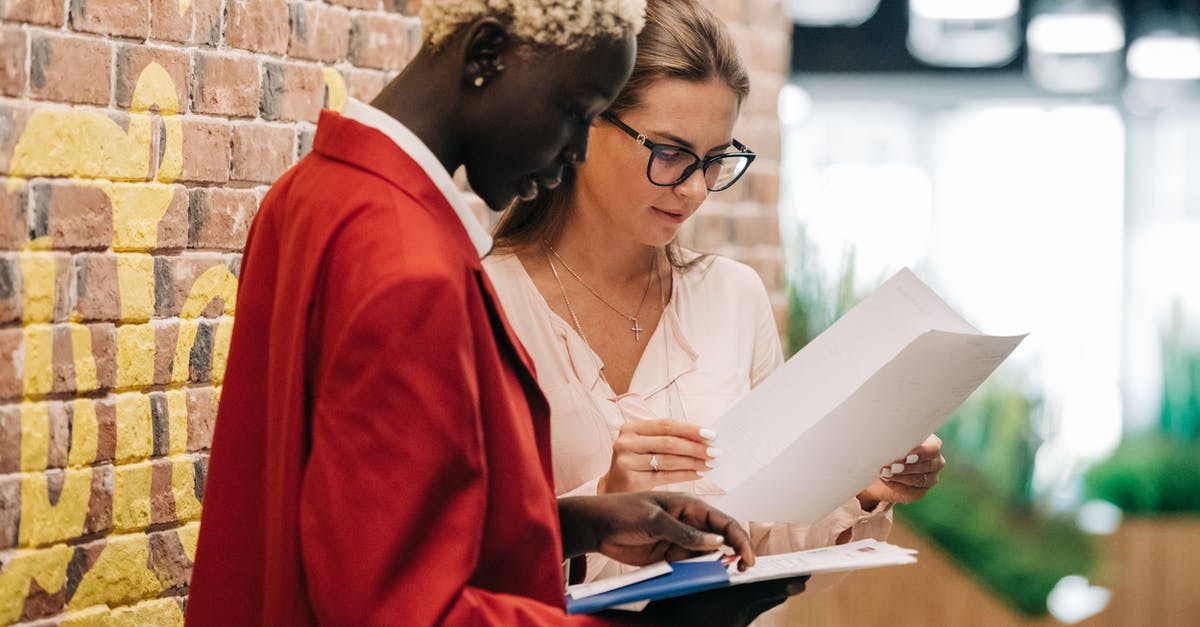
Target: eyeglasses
[671, 165]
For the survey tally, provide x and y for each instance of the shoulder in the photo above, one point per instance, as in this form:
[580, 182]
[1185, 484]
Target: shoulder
[716, 272]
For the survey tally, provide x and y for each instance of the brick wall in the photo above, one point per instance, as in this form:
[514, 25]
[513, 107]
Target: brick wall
[137, 138]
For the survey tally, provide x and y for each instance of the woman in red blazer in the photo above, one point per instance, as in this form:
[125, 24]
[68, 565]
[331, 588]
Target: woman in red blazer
[381, 454]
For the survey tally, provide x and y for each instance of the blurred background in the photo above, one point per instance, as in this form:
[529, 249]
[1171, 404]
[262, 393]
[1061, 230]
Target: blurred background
[1038, 164]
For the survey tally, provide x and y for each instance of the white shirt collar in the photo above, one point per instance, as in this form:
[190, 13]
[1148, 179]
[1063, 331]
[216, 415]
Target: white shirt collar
[367, 115]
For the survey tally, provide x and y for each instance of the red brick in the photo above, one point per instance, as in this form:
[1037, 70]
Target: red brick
[764, 98]
[764, 185]
[100, 503]
[10, 507]
[106, 429]
[173, 280]
[364, 85]
[10, 438]
[167, 559]
[173, 228]
[11, 283]
[209, 18]
[104, 352]
[12, 341]
[48, 12]
[162, 497]
[133, 59]
[292, 91]
[124, 18]
[70, 69]
[166, 24]
[205, 150]
[318, 32]
[60, 432]
[769, 51]
[219, 218]
[403, 7]
[226, 85]
[767, 13]
[257, 25]
[358, 4]
[77, 216]
[166, 336]
[14, 114]
[261, 152]
[384, 42]
[63, 297]
[13, 53]
[62, 364]
[97, 292]
[14, 221]
[202, 415]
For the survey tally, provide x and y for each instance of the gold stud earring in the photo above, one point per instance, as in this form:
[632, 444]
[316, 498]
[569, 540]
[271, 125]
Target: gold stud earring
[478, 82]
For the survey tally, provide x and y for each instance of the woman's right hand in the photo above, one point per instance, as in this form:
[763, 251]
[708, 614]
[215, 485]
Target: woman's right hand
[650, 453]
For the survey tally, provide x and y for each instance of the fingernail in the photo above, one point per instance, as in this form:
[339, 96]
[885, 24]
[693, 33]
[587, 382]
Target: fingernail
[708, 434]
[886, 474]
[712, 538]
[911, 459]
[712, 463]
[702, 472]
[714, 451]
[897, 468]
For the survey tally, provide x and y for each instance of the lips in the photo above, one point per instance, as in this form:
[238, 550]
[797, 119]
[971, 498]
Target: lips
[673, 216]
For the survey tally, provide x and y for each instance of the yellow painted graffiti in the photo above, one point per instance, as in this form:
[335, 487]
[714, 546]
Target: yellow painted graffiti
[43, 523]
[48, 567]
[123, 161]
[335, 88]
[119, 576]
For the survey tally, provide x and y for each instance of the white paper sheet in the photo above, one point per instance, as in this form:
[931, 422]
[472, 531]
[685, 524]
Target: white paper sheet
[860, 395]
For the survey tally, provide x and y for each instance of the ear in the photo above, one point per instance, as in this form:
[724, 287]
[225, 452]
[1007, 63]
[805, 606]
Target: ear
[484, 47]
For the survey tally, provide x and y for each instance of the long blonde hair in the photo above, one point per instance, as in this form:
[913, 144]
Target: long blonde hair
[681, 39]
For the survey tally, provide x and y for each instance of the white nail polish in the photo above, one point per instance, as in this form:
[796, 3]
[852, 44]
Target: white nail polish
[897, 468]
[708, 434]
[886, 474]
[911, 459]
[712, 463]
[714, 451]
[702, 472]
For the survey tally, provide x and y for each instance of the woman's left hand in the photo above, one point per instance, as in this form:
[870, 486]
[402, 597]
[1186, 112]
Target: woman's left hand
[908, 479]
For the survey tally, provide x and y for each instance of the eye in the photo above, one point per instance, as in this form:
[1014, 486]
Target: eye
[670, 154]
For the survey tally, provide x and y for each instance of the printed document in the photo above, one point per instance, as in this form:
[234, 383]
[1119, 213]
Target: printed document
[860, 395]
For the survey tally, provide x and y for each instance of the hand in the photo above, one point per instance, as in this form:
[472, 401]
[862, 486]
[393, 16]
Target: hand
[641, 528]
[905, 481]
[650, 453]
[726, 607]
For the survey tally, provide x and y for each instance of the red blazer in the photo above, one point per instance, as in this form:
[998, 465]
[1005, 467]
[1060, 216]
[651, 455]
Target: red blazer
[381, 454]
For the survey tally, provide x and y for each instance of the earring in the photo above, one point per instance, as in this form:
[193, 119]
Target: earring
[478, 82]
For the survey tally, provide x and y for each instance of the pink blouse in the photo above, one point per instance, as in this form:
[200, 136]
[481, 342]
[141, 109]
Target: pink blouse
[716, 340]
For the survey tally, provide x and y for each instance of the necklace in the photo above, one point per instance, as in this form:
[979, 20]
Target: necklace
[579, 327]
[636, 328]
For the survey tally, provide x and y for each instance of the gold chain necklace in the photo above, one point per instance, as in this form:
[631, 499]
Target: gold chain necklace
[636, 328]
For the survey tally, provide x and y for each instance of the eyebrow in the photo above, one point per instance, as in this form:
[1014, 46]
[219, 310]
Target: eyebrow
[686, 144]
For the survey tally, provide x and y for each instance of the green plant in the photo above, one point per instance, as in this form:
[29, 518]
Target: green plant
[1015, 552]
[1149, 474]
[811, 306]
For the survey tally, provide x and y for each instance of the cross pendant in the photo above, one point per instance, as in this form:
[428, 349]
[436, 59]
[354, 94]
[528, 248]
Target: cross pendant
[637, 330]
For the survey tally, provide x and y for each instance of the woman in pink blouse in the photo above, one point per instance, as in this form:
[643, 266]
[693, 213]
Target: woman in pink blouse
[638, 343]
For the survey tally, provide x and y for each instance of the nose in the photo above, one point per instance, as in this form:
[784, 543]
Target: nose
[694, 187]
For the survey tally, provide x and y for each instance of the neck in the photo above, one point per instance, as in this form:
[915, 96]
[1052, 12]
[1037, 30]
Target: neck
[420, 100]
[598, 252]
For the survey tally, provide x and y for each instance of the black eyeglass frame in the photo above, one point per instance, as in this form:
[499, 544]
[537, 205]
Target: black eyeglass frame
[702, 162]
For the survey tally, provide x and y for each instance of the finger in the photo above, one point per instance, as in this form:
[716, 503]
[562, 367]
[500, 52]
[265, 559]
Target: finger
[673, 428]
[735, 535]
[922, 466]
[921, 481]
[665, 526]
[669, 445]
[663, 462]
[669, 477]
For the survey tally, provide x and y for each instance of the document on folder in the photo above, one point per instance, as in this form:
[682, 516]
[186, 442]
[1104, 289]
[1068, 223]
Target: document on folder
[862, 394]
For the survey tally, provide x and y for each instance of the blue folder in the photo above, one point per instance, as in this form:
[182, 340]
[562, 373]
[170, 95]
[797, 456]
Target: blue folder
[684, 578]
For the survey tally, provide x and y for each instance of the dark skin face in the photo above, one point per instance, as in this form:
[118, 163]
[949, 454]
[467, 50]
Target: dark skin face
[528, 119]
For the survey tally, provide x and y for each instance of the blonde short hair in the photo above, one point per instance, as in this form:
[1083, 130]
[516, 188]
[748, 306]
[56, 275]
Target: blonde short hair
[564, 24]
